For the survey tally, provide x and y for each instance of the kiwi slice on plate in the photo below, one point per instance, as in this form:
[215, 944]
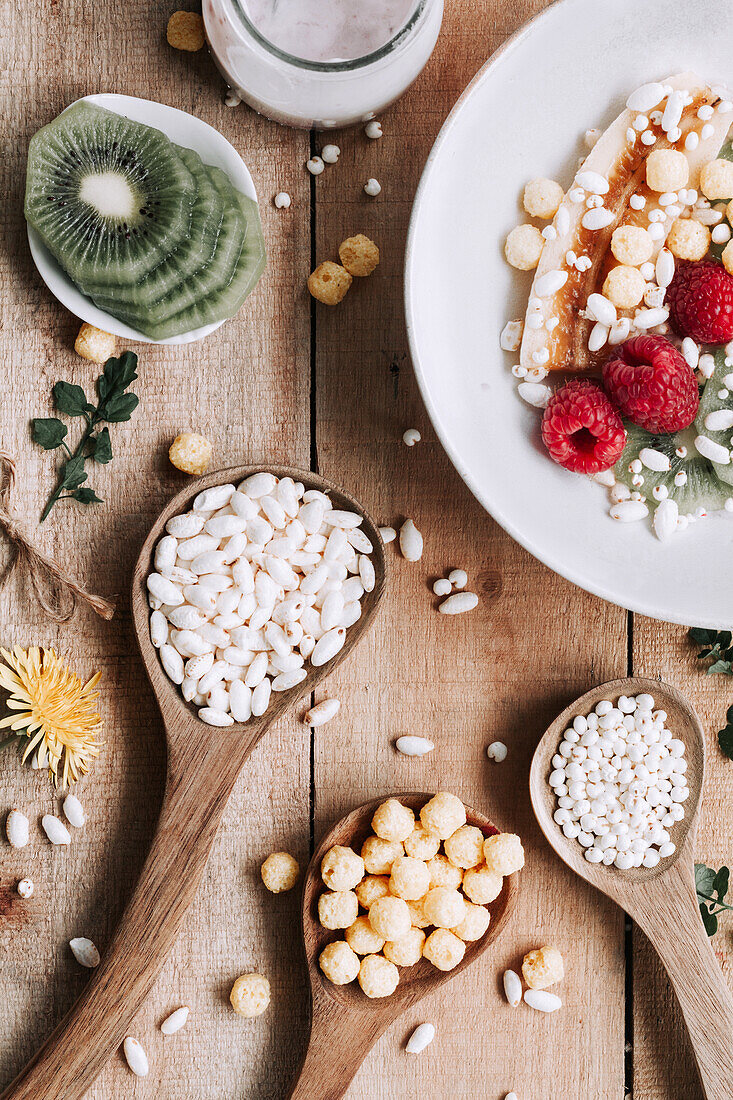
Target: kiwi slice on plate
[195, 252]
[217, 291]
[690, 480]
[111, 198]
[716, 403]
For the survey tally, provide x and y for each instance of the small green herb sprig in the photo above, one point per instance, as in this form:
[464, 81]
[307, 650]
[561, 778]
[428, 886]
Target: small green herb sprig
[712, 888]
[717, 647]
[114, 406]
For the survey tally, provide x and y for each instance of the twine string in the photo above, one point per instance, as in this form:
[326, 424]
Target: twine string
[55, 590]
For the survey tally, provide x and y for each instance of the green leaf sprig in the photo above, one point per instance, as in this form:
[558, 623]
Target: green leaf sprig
[114, 405]
[725, 736]
[712, 888]
[717, 647]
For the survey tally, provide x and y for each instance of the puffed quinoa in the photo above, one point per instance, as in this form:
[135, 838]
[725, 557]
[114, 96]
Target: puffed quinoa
[465, 847]
[95, 344]
[393, 821]
[444, 813]
[667, 170]
[422, 843]
[329, 283]
[624, 286]
[250, 995]
[378, 977]
[408, 950]
[481, 885]
[370, 888]
[359, 255]
[417, 914]
[632, 245]
[191, 453]
[379, 855]
[443, 949]
[362, 938]
[280, 872]
[390, 918]
[542, 198]
[503, 854]
[727, 257]
[410, 878]
[339, 963]
[444, 873]
[342, 868]
[688, 239]
[444, 907]
[523, 247]
[186, 31]
[338, 909]
[474, 924]
[543, 967]
[716, 179]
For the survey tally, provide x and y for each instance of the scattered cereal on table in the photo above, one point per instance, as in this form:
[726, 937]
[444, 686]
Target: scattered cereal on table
[372, 187]
[282, 200]
[329, 283]
[373, 130]
[186, 31]
[359, 255]
[280, 872]
[95, 344]
[191, 453]
[250, 995]
[330, 154]
[543, 967]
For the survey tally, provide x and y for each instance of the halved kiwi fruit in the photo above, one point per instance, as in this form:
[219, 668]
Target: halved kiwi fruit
[111, 198]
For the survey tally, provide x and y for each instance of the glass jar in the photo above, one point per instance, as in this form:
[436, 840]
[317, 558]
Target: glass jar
[321, 94]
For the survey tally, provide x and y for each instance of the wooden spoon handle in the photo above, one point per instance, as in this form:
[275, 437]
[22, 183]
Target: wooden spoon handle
[77, 1050]
[670, 917]
[339, 1042]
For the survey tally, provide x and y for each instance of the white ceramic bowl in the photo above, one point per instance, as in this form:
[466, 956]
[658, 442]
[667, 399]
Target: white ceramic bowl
[523, 116]
[184, 129]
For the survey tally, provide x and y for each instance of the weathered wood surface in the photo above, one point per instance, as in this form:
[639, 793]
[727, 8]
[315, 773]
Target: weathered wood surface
[534, 643]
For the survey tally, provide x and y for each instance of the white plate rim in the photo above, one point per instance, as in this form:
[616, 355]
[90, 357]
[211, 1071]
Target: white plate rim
[56, 279]
[640, 606]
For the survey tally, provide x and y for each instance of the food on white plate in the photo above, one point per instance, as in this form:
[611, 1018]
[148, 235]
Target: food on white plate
[155, 237]
[410, 893]
[250, 584]
[632, 297]
[619, 776]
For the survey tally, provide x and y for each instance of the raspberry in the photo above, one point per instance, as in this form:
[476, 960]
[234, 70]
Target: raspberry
[700, 300]
[582, 430]
[649, 381]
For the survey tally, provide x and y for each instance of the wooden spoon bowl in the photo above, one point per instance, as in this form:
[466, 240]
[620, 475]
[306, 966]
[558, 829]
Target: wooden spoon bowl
[345, 1023]
[203, 765]
[662, 900]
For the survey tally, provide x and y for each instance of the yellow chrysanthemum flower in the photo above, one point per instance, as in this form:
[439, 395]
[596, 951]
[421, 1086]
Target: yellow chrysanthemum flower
[55, 710]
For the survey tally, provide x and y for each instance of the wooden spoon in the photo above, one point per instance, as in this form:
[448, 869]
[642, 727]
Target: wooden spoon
[345, 1024]
[203, 765]
[662, 900]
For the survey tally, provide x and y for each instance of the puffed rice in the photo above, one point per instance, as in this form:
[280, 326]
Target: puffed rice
[421, 1037]
[175, 1021]
[409, 745]
[17, 829]
[136, 1057]
[85, 952]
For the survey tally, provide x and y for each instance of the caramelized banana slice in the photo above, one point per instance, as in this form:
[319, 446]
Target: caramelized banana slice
[615, 169]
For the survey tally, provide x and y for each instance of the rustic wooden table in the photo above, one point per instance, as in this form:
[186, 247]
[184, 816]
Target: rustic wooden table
[334, 389]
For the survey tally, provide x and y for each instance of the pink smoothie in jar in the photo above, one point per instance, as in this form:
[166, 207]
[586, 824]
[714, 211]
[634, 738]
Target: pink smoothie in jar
[322, 63]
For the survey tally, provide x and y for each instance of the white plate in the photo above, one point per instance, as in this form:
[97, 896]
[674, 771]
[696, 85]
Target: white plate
[183, 129]
[524, 116]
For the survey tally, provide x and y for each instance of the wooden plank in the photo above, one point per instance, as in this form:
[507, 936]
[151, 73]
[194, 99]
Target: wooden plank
[503, 671]
[663, 650]
[247, 388]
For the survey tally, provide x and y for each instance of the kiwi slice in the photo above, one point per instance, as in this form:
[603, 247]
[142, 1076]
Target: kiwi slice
[110, 198]
[194, 253]
[217, 291]
[225, 301]
[717, 397]
[700, 486]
